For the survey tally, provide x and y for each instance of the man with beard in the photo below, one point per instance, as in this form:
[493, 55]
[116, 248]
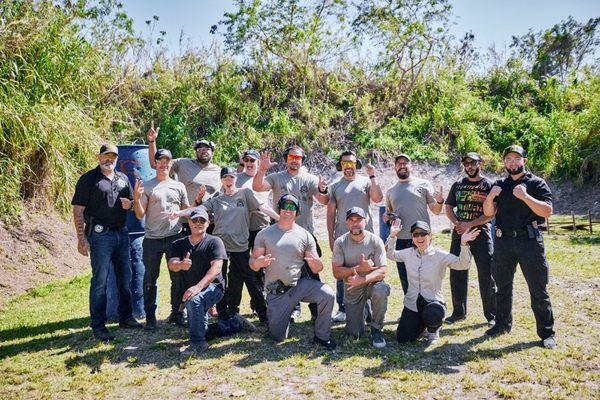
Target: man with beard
[350, 191]
[303, 185]
[520, 202]
[153, 199]
[100, 203]
[196, 175]
[467, 196]
[359, 260]
[408, 201]
[284, 250]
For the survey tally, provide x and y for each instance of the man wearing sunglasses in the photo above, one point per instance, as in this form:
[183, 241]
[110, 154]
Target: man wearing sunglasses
[464, 208]
[303, 185]
[351, 190]
[284, 250]
[520, 203]
[409, 200]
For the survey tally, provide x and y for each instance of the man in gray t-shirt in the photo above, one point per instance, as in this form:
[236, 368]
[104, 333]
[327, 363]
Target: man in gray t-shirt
[409, 200]
[350, 191]
[282, 250]
[154, 199]
[359, 258]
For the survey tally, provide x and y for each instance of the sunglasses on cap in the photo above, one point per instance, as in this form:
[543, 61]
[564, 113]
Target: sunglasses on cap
[288, 206]
[296, 157]
[347, 163]
[420, 234]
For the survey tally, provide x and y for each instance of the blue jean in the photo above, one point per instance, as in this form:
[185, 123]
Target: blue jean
[109, 250]
[197, 309]
[137, 282]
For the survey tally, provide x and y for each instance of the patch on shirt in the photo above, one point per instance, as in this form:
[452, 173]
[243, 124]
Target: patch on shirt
[304, 189]
[120, 184]
[240, 203]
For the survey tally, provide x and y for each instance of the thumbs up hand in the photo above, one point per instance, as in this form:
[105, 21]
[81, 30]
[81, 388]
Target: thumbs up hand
[438, 195]
[366, 265]
[186, 262]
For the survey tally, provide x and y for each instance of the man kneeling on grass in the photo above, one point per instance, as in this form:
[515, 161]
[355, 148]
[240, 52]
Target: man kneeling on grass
[200, 258]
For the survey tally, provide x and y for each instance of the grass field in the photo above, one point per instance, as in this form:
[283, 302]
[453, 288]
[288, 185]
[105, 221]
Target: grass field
[47, 351]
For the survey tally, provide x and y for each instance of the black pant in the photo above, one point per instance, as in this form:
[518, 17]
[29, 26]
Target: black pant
[236, 272]
[429, 316]
[153, 251]
[312, 306]
[531, 256]
[482, 250]
[260, 274]
[402, 244]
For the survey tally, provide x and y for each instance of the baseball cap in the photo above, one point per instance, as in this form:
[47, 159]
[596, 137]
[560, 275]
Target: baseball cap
[109, 148]
[160, 153]
[420, 225]
[400, 156]
[473, 156]
[291, 198]
[252, 154]
[207, 143]
[355, 211]
[514, 149]
[225, 171]
[199, 213]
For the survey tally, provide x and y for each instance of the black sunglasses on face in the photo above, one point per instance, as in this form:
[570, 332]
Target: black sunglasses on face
[420, 234]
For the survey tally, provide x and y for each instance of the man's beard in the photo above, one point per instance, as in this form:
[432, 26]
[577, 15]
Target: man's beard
[294, 167]
[204, 159]
[403, 174]
[108, 166]
[349, 172]
[356, 232]
[473, 175]
[515, 171]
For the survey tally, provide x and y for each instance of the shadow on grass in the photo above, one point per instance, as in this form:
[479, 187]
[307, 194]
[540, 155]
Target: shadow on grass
[51, 327]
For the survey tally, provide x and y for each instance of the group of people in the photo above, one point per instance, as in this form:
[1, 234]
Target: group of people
[229, 237]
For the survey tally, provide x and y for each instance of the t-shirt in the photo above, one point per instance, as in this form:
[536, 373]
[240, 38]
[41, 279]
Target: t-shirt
[163, 196]
[409, 201]
[100, 197]
[192, 175]
[231, 216]
[288, 249]
[208, 249]
[346, 252]
[304, 186]
[514, 214]
[346, 194]
[468, 198]
[258, 219]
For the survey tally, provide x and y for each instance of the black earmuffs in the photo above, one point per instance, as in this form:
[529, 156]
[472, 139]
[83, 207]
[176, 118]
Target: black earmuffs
[289, 197]
[338, 165]
[286, 152]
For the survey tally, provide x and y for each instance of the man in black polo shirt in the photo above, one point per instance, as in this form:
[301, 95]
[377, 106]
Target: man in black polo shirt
[464, 208]
[520, 202]
[100, 203]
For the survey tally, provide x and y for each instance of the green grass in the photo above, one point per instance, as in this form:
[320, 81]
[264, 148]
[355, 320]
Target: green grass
[46, 350]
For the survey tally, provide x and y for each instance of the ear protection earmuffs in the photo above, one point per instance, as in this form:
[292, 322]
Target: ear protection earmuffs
[286, 152]
[338, 166]
[285, 198]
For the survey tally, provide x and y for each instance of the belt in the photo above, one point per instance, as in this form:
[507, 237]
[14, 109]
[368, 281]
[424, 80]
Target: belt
[99, 228]
[511, 233]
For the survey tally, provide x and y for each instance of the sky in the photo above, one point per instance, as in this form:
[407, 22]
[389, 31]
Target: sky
[490, 21]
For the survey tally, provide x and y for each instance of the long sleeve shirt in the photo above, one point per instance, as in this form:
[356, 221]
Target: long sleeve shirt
[426, 271]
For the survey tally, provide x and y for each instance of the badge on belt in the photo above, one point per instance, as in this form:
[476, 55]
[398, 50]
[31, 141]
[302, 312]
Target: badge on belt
[98, 228]
[498, 232]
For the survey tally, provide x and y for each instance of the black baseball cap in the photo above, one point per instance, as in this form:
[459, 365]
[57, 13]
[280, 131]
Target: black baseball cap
[163, 153]
[420, 225]
[403, 155]
[473, 156]
[291, 198]
[206, 143]
[514, 149]
[355, 211]
[252, 154]
[225, 171]
[199, 213]
[108, 148]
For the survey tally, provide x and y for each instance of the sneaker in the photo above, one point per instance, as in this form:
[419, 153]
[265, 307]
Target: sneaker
[150, 324]
[378, 339]
[496, 330]
[549, 342]
[193, 349]
[424, 334]
[130, 323]
[177, 318]
[103, 334]
[327, 344]
[245, 323]
[295, 316]
[491, 323]
[454, 318]
[339, 317]
[433, 337]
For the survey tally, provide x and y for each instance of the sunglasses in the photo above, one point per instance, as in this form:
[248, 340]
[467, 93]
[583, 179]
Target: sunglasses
[293, 157]
[348, 163]
[469, 163]
[250, 160]
[420, 234]
[200, 221]
[289, 207]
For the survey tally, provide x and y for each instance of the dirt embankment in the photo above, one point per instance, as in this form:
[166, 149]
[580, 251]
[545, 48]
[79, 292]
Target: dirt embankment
[44, 247]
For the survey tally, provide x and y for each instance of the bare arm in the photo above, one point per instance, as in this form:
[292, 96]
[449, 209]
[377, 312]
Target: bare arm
[331, 211]
[375, 193]
[269, 211]
[83, 246]
[151, 137]
[211, 274]
[314, 261]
